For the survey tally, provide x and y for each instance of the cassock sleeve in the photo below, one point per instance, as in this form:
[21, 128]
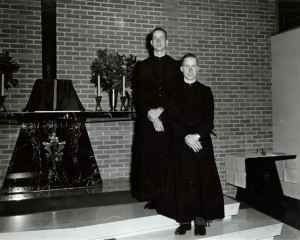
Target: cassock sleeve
[142, 98]
[176, 77]
[174, 120]
[206, 126]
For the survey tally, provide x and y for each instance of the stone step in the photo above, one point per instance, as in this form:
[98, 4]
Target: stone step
[249, 224]
[112, 221]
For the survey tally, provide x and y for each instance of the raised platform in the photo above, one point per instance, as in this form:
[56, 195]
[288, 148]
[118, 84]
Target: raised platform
[110, 213]
[131, 221]
[248, 224]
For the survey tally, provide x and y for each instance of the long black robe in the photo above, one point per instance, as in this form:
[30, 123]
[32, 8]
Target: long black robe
[193, 187]
[153, 81]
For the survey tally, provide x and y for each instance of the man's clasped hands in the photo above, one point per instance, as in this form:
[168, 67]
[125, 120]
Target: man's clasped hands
[192, 140]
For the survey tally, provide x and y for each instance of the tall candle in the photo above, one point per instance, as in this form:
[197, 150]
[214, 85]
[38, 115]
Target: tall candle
[123, 94]
[98, 86]
[2, 84]
[113, 99]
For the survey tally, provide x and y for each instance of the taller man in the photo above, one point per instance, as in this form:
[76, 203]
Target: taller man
[153, 81]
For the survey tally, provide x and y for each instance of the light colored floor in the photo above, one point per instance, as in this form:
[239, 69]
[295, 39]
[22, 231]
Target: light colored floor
[63, 220]
[246, 218]
[60, 224]
[288, 233]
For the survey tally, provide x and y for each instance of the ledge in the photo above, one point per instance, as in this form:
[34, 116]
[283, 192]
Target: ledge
[88, 116]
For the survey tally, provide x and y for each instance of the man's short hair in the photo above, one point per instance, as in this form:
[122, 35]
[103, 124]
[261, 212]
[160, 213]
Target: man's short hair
[159, 29]
[187, 55]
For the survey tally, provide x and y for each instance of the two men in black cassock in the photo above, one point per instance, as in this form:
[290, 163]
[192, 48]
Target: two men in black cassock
[173, 164]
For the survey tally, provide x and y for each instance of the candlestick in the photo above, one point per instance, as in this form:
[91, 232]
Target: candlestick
[2, 107]
[123, 93]
[123, 101]
[55, 95]
[113, 99]
[98, 103]
[98, 86]
[2, 84]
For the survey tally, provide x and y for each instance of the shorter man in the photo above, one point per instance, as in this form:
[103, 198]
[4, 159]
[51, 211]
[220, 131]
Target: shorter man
[193, 189]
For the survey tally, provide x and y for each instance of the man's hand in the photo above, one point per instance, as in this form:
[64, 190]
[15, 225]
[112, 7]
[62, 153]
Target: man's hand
[197, 147]
[192, 140]
[158, 125]
[154, 113]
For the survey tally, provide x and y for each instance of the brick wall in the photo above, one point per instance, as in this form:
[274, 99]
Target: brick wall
[20, 31]
[231, 39]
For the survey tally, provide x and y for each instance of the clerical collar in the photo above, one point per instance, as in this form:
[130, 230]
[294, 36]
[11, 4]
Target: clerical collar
[159, 58]
[190, 83]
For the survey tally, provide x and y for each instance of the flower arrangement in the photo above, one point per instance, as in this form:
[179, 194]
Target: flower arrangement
[8, 68]
[112, 67]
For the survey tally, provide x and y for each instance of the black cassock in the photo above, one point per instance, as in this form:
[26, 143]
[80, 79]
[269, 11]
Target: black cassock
[193, 187]
[153, 81]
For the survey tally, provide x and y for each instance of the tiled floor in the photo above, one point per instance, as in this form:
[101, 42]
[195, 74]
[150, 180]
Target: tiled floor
[63, 212]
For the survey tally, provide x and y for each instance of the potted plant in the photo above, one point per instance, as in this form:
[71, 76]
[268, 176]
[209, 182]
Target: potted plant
[7, 69]
[111, 68]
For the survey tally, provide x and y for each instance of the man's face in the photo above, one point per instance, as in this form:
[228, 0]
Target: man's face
[190, 68]
[159, 41]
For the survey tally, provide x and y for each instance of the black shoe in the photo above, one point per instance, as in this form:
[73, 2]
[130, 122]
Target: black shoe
[200, 230]
[181, 230]
[150, 205]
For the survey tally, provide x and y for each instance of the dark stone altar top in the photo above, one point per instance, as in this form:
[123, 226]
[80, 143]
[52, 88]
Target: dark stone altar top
[87, 116]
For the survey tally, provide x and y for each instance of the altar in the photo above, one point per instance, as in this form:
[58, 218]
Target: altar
[256, 177]
[53, 149]
[247, 169]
